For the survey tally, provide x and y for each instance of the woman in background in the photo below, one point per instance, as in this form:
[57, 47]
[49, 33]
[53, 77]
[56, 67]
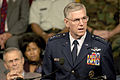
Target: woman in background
[32, 47]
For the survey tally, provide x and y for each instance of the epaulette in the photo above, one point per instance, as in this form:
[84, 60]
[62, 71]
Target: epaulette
[100, 39]
[57, 36]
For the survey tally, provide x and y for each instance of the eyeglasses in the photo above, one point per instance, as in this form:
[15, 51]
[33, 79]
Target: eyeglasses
[77, 20]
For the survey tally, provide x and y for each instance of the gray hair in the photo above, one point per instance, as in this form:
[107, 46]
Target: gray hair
[11, 49]
[73, 6]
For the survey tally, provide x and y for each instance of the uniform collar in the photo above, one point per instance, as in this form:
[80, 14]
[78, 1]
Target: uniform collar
[79, 40]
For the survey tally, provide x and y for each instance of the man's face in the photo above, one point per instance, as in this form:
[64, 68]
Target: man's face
[14, 61]
[77, 23]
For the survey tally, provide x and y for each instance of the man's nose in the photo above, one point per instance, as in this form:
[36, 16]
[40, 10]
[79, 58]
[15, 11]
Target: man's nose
[81, 22]
[14, 63]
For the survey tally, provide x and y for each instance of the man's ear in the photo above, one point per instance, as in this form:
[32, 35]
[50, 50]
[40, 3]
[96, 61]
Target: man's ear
[66, 22]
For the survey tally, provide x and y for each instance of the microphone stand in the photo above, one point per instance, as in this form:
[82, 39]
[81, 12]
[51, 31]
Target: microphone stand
[49, 75]
[99, 78]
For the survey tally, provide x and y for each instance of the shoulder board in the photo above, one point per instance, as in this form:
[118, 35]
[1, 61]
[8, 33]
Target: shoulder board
[100, 39]
[57, 36]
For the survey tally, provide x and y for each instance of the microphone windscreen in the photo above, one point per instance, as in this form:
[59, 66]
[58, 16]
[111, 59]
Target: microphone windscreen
[32, 75]
[61, 61]
[19, 78]
[6, 71]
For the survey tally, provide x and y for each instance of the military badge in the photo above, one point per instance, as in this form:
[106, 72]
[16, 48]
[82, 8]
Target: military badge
[96, 49]
[91, 74]
[93, 59]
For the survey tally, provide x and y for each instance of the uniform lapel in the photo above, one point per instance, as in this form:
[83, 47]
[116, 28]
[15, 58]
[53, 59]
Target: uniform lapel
[84, 50]
[67, 50]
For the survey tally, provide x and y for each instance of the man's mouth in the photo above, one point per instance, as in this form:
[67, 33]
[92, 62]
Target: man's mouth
[80, 28]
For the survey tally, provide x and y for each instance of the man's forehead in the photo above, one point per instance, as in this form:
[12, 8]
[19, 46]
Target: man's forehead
[80, 12]
[12, 55]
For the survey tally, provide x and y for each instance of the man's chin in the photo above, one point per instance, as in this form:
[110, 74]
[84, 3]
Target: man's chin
[80, 35]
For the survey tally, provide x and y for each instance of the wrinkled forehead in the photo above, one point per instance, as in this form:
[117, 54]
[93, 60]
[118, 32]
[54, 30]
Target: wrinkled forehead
[76, 10]
[71, 7]
[12, 55]
[79, 14]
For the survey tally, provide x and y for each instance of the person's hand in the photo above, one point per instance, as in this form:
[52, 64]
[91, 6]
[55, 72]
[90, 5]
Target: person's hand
[111, 34]
[3, 38]
[2, 41]
[102, 33]
[51, 34]
[13, 75]
[47, 36]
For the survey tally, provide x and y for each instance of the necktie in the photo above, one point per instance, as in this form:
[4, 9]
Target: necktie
[74, 51]
[3, 16]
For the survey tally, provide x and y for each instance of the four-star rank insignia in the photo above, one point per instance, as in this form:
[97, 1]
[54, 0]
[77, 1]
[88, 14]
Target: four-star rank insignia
[94, 57]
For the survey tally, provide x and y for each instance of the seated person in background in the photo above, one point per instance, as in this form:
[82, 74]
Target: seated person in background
[2, 70]
[103, 16]
[105, 33]
[115, 31]
[15, 22]
[108, 35]
[46, 17]
[32, 47]
[105, 22]
[14, 61]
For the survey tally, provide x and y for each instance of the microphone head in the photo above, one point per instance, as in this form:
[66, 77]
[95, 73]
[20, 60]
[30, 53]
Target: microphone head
[61, 61]
[6, 71]
[19, 78]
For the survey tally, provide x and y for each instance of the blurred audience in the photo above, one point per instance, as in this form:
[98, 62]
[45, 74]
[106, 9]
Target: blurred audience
[32, 47]
[104, 21]
[14, 61]
[2, 70]
[15, 23]
[115, 31]
[106, 34]
[46, 17]
[30, 2]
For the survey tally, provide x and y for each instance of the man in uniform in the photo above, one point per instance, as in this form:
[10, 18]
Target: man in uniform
[85, 56]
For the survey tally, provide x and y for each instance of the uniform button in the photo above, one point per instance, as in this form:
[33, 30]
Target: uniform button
[73, 71]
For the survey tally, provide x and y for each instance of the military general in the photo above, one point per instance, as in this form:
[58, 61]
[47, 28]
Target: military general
[77, 55]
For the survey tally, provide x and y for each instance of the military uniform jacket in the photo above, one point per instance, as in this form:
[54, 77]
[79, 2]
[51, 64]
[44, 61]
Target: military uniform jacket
[94, 59]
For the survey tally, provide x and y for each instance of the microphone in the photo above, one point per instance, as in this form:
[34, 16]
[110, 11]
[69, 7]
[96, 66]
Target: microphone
[6, 71]
[99, 78]
[19, 78]
[61, 62]
[91, 77]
